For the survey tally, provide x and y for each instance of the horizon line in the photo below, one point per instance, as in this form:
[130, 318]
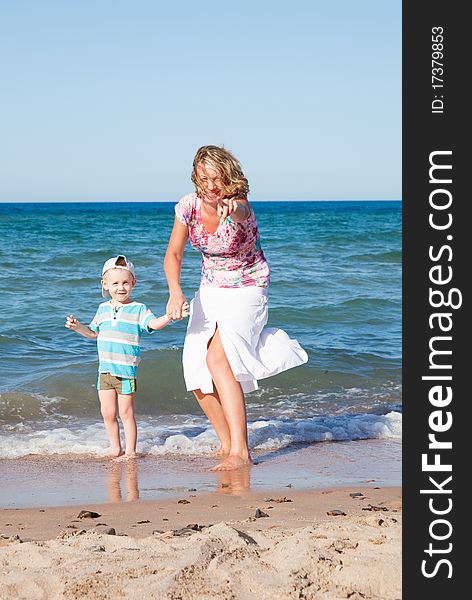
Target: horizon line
[174, 201]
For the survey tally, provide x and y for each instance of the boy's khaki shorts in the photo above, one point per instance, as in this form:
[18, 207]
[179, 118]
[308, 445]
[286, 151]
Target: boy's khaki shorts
[122, 385]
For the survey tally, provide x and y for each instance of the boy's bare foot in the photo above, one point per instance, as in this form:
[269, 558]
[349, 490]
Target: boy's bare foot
[232, 461]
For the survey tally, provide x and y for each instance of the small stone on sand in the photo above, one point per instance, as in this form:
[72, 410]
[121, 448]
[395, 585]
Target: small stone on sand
[88, 514]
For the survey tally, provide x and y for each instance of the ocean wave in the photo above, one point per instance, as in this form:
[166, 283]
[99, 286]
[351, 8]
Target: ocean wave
[394, 256]
[307, 390]
[354, 311]
[193, 436]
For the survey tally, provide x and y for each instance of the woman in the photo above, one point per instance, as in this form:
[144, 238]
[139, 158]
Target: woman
[226, 349]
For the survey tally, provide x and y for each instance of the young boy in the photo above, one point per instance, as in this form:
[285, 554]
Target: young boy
[117, 326]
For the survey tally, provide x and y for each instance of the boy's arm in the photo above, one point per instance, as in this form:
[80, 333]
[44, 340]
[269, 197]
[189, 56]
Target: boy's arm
[161, 322]
[76, 325]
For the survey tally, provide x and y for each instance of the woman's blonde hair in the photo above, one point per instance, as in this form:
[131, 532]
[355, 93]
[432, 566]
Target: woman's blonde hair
[228, 168]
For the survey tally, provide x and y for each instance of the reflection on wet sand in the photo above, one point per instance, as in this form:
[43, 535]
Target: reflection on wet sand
[122, 480]
[234, 482]
[126, 470]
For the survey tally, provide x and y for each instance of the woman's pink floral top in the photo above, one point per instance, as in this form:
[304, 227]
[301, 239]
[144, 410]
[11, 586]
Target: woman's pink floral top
[232, 256]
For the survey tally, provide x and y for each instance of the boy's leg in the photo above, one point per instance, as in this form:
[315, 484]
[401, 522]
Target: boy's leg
[108, 410]
[126, 408]
[131, 481]
[114, 481]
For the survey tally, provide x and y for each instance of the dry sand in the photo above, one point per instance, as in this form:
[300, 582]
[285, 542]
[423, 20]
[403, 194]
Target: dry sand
[297, 551]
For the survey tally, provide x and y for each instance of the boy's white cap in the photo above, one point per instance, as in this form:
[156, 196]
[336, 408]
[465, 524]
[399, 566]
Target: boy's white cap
[111, 264]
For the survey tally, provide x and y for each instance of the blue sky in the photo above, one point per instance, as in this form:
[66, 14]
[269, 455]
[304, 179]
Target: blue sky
[109, 99]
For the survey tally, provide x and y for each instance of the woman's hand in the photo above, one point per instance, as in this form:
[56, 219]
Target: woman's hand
[231, 206]
[176, 306]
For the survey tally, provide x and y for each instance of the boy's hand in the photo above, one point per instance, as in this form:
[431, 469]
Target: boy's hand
[185, 309]
[71, 322]
[78, 327]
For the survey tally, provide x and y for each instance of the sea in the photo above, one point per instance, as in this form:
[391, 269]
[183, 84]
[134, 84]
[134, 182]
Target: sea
[335, 287]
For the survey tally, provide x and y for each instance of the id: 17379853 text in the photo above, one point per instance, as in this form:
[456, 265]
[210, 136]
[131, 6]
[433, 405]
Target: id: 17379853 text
[437, 69]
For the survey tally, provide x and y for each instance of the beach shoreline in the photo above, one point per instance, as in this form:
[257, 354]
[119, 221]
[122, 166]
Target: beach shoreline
[59, 480]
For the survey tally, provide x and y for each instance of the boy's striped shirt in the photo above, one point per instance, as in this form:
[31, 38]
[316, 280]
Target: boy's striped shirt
[118, 338]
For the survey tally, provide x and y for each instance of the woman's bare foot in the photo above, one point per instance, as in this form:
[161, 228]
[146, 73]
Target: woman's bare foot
[232, 461]
[127, 456]
[114, 452]
[221, 452]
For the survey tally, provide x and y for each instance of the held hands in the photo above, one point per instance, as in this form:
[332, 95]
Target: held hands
[177, 308]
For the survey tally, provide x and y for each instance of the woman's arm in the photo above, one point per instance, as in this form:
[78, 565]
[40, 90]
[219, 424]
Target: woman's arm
[238, 208]
[173, 268]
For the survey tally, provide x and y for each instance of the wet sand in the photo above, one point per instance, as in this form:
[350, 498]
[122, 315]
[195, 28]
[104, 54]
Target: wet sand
[70, 480]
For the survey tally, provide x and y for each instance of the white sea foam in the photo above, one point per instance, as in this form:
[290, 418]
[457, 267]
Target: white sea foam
[193, 436]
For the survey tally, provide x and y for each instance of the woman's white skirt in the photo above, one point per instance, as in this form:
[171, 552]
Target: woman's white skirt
[252, 351]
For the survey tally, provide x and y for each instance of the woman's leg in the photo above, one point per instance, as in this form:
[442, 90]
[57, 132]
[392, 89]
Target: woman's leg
[232, 402]
[235, 481]
[211, 406]
[108, 410]
[126, 407]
